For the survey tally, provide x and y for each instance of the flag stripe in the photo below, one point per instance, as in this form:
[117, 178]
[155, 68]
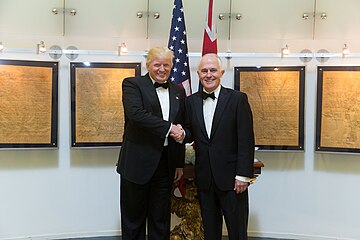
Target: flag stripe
[210, 41]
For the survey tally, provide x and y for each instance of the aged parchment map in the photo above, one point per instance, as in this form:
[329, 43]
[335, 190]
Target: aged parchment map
[340, 113]
[274, 100]
[25, 104]
[99, 111]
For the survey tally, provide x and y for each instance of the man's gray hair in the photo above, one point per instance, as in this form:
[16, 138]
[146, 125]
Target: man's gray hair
[213, 55]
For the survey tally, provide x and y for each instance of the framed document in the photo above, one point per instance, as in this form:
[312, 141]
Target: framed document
[97, 114]
[338, 109]
[28, 104]
[276, 97]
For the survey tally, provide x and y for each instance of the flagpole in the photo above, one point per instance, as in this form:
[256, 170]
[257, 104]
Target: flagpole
[147, 20]
[229, 35]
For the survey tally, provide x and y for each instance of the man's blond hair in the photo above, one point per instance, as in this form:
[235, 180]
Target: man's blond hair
[157, 52]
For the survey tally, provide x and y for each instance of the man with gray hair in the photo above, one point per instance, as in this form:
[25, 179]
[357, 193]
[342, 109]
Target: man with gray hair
[219, 121]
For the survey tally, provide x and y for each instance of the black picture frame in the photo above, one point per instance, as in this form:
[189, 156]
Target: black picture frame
[330, 118]
[301, 101]
[74, 66]
[53, 123]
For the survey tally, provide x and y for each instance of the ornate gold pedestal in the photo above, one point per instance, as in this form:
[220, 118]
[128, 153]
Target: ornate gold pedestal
[188, 209]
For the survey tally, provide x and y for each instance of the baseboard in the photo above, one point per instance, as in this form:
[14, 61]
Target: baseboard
[113, 233]
[294, 236]
[67, 235]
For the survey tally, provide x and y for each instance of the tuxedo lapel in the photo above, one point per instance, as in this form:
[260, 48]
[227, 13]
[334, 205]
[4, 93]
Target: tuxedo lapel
[151, 96]
[224, 97]
[174, 102]
[198, 102]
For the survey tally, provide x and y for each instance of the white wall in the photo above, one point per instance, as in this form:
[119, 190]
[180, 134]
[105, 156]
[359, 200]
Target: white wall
[58, 193]
[75, 192]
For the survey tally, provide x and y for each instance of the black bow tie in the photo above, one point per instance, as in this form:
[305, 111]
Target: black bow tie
[205, 95]
[164, 85]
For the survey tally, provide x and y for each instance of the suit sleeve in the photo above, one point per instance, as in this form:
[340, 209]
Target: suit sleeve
[187, 125]
[246, 141]
[136, 113]
[180, 147]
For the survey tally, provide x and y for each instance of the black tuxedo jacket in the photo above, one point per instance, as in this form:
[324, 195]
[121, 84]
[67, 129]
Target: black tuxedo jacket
[145, 129]
[230, 149]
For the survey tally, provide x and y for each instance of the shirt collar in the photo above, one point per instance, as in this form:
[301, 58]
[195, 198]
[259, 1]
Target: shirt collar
[153, 81]
[216, 91]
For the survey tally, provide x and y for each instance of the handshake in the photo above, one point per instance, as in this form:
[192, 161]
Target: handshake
[177, 132]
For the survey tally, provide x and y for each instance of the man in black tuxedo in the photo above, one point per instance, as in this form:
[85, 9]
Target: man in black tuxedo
[150, 159]
[219, 121]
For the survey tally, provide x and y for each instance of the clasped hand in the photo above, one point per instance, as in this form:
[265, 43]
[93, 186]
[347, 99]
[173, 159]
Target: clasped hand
[177, 132]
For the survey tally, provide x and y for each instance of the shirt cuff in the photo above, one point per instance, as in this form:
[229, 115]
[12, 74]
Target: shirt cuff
[243, 179]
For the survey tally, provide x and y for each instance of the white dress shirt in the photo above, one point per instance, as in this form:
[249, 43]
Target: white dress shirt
[164, 99]
[209, 106]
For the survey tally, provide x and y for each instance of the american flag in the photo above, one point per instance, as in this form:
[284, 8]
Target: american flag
[180, 72]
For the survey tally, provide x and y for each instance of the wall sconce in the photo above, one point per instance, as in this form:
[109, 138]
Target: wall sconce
[311, 15]
[70, 11]
[55, 11]
[345, 50]
[323, 15]
[1, 46]
[40, 47]
[285, 51]
[224, 16]
[238, 16]
[305, 16]
[140, 14]
[157, 15]
[122, 49]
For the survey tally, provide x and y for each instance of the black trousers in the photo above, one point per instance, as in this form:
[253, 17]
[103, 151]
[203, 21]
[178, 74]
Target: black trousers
[148, 202]
[215, 204]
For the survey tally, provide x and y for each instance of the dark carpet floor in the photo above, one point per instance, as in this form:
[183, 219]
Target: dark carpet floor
[119, 238]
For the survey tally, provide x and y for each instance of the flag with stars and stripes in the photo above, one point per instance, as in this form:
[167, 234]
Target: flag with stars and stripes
[180, 73]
